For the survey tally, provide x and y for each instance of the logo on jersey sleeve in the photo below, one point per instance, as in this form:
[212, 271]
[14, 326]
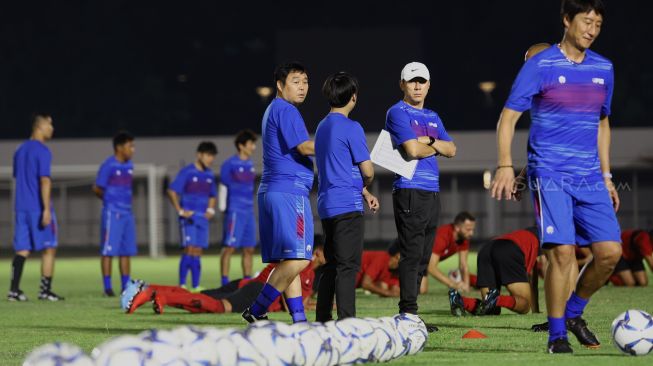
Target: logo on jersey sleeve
[562, 79]
[598, 81]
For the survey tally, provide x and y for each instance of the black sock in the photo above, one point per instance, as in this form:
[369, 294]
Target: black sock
[17, 272]
[46, 284]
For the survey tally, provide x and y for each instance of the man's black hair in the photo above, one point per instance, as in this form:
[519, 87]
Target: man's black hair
[570, 8]
[462, 217]
[339, 88]
[36, 116]
[207, 147]
[121, 138]
[282, 71]
[243, 136]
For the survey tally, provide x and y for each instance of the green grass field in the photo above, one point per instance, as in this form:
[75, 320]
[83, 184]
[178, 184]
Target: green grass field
[87, 319]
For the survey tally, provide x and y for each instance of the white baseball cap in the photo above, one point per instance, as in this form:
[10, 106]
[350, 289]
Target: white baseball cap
[415, 70]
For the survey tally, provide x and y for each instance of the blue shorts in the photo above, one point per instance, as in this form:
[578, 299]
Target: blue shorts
[194, 231]
[118, 234]
[285, 226]
[579, 214]
[239, 230]
[30, 235]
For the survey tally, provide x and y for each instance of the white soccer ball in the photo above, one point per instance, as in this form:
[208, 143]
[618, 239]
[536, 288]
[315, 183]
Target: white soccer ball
[347, 341]
[413, 331]
[385, 339]
[197, 346]
[455, 275]
[165, 346]
[632, 332]
[58, 354]
[123, 350]
[315, 343]
[247, 353]
[283, 348]
[220, 341]
[366, 335]
[398, 340]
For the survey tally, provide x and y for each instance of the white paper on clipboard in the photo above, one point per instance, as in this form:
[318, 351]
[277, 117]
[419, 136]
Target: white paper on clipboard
[386, 156]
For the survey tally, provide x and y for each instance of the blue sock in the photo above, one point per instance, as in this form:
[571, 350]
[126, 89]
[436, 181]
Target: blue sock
[296, 309]
[557, 328]
[107, 282]
[266, 297]
[184, 266]
[195, 270]
[123, 281]
[225, 280]
[247, 277]
[575, 306]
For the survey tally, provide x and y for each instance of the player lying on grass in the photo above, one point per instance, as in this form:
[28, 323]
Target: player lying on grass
[378, 273]
[637, 247]
[508, 261]
[233, 297]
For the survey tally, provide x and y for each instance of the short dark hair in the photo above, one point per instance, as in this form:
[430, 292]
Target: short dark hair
[243, 136]
[121, 138]
[339, 88]
[207, 147]
[282, 71]
[570, 8]
[462, 217]
[36, 116]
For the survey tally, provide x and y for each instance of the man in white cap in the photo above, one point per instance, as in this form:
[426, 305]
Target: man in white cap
[420, 134]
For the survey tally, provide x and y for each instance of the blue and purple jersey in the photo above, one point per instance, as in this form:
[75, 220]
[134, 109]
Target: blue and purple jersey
[567, 101]
[115, 178]
[404, 123]
[238, 176]
[195, 187]
[32, 161]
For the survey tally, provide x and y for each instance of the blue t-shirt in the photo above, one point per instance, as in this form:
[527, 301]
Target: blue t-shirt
[404, 123]
[340, 146]
[284, 169]
[238, 176]
[32, 161]
[115, 178]
[195, 187]
[566, 100]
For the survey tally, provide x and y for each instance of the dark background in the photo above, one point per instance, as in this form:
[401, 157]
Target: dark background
[165, 68]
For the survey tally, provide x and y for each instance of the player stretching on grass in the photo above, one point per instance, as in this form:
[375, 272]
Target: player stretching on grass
[568, 89]
[195, 184]
[285, 218]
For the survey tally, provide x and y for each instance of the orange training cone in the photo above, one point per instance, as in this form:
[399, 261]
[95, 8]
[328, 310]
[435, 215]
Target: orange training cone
[474, 334]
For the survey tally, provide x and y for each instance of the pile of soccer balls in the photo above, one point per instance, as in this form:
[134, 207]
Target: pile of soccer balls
[342, 342]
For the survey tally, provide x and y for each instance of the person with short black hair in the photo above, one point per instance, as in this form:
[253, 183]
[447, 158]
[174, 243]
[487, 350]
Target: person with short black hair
[113, 185]
[420, 134]
[236, 200]
[568, 89]
[344, 173]
[285, 218]
[35, 222]
[451, 239]
[195, 185]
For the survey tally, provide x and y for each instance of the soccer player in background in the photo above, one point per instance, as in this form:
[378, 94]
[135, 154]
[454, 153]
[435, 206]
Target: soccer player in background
[451, 239]
[507, 260]
[344, 173]
[421, 135]
[113, 186]
[378, 272]
[195, 185]
[36, 225]
[637, 248]
[236, 200]
[568, 89]
[285, 218]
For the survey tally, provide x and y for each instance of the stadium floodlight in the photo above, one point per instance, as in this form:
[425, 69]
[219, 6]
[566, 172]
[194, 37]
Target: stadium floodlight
[264, 91]
[487, 87]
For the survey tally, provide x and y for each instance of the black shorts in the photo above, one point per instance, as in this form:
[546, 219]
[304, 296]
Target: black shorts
[625, 265]
[500, 262]
[224, 291]
[244, 296]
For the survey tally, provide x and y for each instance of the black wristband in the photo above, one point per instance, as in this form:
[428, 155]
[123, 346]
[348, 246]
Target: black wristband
[503, 166]
[431, 140]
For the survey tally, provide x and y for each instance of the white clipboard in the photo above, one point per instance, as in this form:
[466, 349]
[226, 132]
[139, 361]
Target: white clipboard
[386, 156]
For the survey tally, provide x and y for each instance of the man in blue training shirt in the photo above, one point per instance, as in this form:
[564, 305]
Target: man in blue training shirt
[236, 200]
[344, 173]
[568, 89]
[113, 186]
[36, 225]
[420, 134]
[285, 218]
[195, 185]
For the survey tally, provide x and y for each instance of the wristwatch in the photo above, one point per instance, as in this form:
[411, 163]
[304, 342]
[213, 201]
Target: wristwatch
[431, 140]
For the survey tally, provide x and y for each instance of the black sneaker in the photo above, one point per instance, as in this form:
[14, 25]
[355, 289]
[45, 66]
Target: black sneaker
[489, 304]
[250, 318]
[16, 296]
[560, 345]
[456, 303]
[542, 327]
[431, 328]
[585, 337]
[109, 293]
[50, 296]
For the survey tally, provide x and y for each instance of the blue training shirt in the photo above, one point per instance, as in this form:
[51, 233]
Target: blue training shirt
[195, 187]
[284, 169]
[340, 146]
[115, 178]
[238, 176]
[567, 101]
[32, 160]
[404, 123]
